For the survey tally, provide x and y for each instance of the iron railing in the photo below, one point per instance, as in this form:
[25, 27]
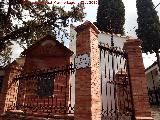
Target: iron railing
[154, 96]
[45, 91]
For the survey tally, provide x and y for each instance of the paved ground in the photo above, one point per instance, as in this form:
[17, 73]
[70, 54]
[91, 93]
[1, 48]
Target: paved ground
[156, 113]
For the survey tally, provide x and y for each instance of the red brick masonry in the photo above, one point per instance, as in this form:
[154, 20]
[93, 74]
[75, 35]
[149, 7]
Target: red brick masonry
[138, 80]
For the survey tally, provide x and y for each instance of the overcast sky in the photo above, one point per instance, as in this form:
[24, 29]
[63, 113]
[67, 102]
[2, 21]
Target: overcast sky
[130, 14]
[130, 23]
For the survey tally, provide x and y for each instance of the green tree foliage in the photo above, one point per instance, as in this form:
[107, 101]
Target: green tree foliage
[5, 56]
[111, 16]
[24, 22]
[148, 27]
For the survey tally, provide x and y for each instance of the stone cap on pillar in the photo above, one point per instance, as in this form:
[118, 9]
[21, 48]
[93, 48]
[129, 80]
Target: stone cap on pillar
[133, 42]
[85, 25]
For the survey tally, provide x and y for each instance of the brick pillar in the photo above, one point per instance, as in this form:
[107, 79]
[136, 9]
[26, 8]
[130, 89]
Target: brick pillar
[138, 80]
[87, 80]
[9, 88]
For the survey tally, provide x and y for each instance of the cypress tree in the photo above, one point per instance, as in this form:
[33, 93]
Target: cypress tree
[111, 16]
[148, 27]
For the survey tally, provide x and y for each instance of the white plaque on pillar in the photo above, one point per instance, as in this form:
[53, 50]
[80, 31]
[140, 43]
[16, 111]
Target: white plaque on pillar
[82, 61]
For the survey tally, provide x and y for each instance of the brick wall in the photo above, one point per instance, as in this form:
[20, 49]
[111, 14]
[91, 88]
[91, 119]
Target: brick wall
[47, 54]
[42, 60]
[8, 95]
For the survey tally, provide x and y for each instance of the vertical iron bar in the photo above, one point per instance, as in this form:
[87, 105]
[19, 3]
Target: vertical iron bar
[106, 89]
[110, 90]
[66, 94]
[102, 93]
[112, 61]
[48, 105]
[115, 97]
[120, 59]
[124, 96]
[70, 93]
[105, 70]
[70, 102]
[102, 106]
[108, 56]
[104, 53]
[37, 103]
[100, 54]
[52, 104]
[107, 108]
[155, 93]
[101, 84]
[43, 105]
[111, 109]
[109, 74]
[56, 101]
[117, 66]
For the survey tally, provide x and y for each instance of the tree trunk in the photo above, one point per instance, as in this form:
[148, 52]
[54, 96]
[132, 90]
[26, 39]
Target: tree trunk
[158, 59]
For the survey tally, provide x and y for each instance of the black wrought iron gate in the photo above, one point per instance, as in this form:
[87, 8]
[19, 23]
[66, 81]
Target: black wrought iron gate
[115, 84]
